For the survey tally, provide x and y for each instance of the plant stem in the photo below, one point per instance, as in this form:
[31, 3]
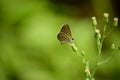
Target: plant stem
[99, 45]
[112, 55]
[97, 63]
[109, 32]
[85, 62]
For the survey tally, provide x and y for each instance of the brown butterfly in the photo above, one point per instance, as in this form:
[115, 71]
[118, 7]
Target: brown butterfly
[65, 36]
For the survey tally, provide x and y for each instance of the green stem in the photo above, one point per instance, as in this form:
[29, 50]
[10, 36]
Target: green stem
[105, 60]
[104, 36]
[95, 68]
[109, 32]
[87, 71]
[98, 58]
[99, 44]
[86, 65]
[112, 55]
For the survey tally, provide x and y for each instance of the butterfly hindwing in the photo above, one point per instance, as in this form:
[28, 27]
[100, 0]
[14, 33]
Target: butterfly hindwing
[63, 38]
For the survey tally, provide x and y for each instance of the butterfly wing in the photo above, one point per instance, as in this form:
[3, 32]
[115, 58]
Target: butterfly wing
[66, 29]
[63, 38]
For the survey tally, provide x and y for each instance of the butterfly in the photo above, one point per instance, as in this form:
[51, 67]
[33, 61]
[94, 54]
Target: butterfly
[65, 36]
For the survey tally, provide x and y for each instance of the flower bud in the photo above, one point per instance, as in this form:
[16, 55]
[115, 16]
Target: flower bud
[94, 21]
[75, 49]
[113, 46]
[98, 35]
[115, 23]
[106, 16]
[82, 53]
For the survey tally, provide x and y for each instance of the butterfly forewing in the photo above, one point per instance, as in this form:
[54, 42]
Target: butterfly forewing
[66, 29]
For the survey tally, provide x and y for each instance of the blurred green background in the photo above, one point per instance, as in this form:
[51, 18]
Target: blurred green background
[29, 49]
